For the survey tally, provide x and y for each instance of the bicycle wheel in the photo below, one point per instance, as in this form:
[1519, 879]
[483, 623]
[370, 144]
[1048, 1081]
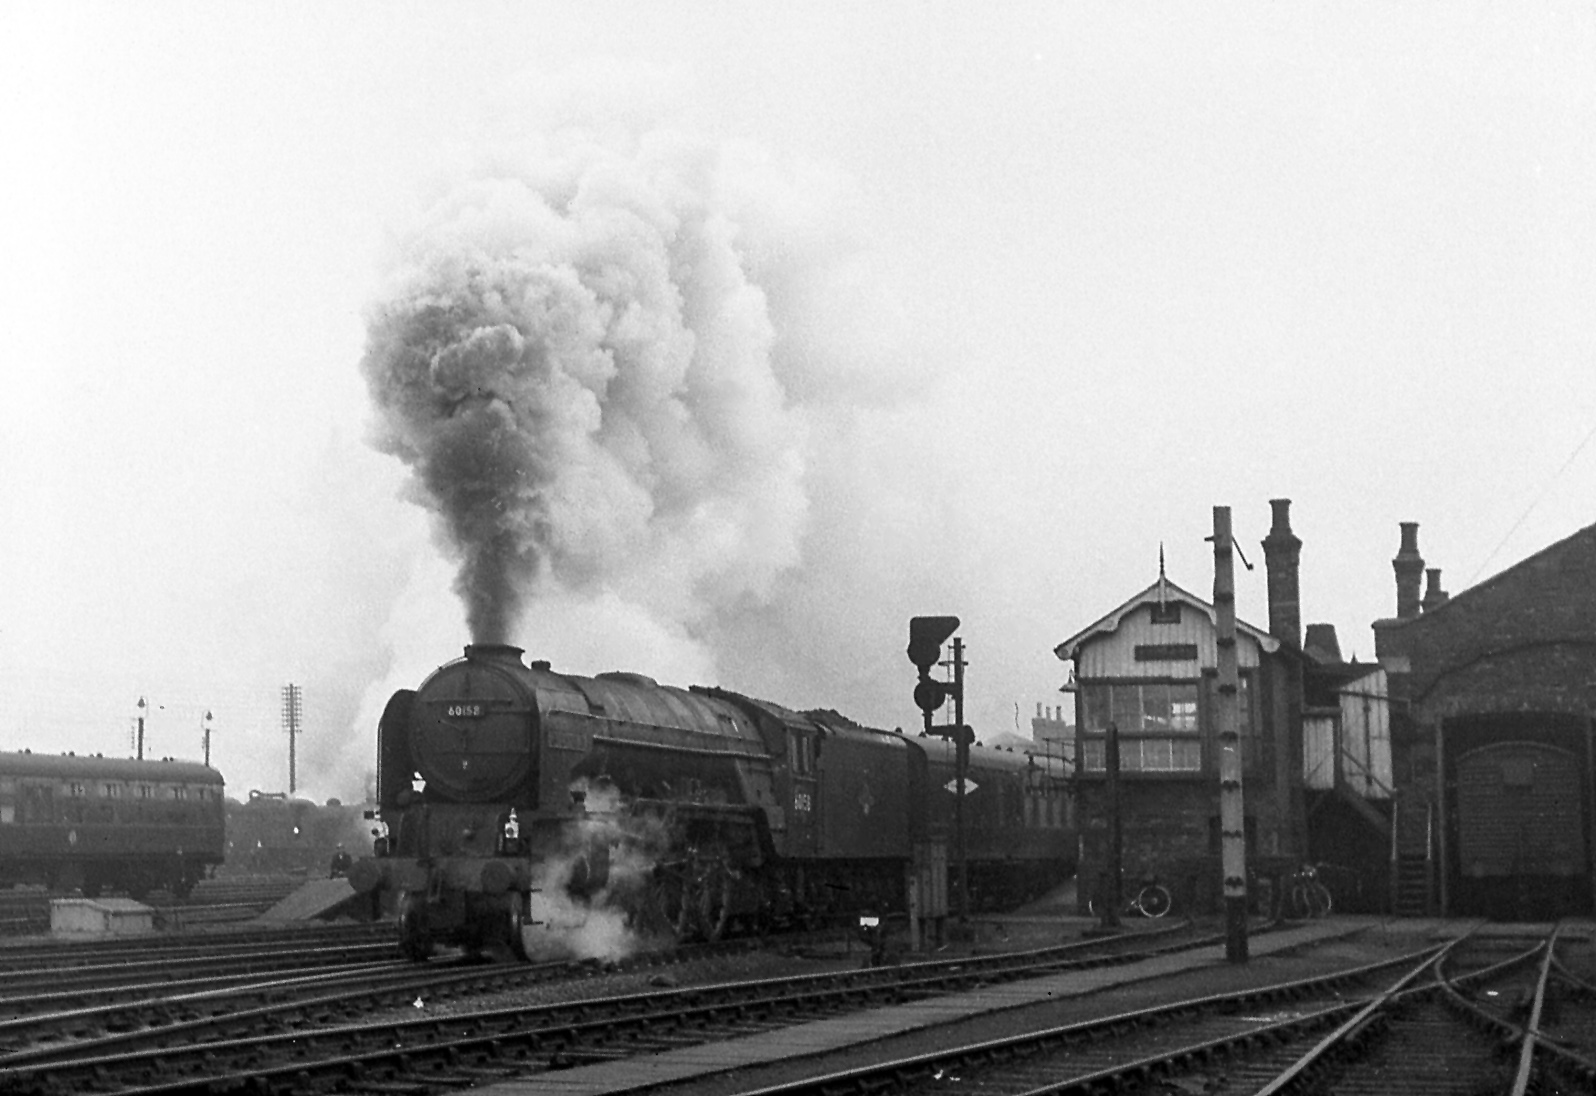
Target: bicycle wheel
[1153, 900]
[1319, 897]
[1300, 907]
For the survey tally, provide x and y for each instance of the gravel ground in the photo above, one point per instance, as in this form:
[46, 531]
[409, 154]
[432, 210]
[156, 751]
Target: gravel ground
[603, 982]
[1371, 946]
[987, 937]
[1383, 940]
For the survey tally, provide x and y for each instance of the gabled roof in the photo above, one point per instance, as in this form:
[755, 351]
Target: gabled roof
[1109, 623]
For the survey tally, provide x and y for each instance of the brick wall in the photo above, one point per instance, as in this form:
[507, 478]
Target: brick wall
[1170, 831]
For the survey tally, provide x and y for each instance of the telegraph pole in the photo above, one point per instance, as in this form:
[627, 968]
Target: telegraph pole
[1116, 829]
[1232, 815]
[293, 711]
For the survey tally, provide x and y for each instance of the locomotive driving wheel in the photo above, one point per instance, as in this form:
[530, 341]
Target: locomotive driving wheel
[671, 899]
[415, 936]
[520, 924]
[715, 882]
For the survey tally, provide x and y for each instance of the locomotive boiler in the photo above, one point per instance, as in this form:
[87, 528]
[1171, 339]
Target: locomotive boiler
[524, 806]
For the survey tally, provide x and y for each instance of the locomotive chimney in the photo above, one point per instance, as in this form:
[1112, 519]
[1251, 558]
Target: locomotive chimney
[493, 652]
[1409, 568]
[1282, 549]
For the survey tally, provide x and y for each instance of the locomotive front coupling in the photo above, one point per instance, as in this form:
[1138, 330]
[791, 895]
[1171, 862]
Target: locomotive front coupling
[453, 874]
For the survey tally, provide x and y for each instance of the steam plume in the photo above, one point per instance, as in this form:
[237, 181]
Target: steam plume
[648, 382]
[579, 362]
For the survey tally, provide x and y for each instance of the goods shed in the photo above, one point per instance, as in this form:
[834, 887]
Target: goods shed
[1492, 742]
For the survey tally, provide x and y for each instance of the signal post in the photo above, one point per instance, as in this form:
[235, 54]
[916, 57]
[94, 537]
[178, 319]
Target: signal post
[926, 636]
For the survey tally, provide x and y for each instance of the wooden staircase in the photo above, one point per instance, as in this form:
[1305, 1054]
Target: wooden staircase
[1372, 815]
[1412, 859]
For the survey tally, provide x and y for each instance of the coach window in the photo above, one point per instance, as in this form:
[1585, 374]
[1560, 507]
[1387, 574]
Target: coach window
[8, 796]
[76, 797]
[38, 803]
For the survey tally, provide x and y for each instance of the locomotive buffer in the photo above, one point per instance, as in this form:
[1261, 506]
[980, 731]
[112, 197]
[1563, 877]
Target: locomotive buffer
[926, 636]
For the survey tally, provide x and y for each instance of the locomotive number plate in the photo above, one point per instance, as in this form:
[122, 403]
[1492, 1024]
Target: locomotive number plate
[801, 802]
[466, 711]
[568, 740]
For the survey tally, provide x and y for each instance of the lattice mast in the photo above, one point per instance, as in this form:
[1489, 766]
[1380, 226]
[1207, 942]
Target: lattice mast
[293, 715]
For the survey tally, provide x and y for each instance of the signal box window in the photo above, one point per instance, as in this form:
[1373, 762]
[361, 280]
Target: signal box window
[1157, 721]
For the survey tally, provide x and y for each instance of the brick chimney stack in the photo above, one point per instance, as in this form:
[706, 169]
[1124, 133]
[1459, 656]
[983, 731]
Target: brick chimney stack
[1282, 550]
[1321, 643]
[1434, 596]
[1409, 568]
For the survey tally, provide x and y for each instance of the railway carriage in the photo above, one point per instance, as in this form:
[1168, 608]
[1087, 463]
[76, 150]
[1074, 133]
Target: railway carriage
[91, 823]
[1015, 812]
[516, 798]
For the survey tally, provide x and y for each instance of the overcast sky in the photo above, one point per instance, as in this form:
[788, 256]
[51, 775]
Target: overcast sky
[967, 308]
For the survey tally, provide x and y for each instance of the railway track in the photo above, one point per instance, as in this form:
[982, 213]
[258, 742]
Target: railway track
[49, 957]
[1460, 1018]
[213, 901]
[23, 992]
[303, 1051]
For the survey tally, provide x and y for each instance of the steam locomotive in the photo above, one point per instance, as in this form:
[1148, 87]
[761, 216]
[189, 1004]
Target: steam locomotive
[272, 833]
[93, 823]
[551, 812]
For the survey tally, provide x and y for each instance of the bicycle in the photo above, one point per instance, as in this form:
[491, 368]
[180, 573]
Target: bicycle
[1306, 897]
[1152, 900]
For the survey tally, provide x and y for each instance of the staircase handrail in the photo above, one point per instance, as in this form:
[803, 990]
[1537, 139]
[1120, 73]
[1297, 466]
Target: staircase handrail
[1340, 775]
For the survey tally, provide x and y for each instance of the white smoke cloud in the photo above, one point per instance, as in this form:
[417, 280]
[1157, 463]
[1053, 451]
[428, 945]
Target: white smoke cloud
[597, 925]
[628, 366]
[578, 371]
